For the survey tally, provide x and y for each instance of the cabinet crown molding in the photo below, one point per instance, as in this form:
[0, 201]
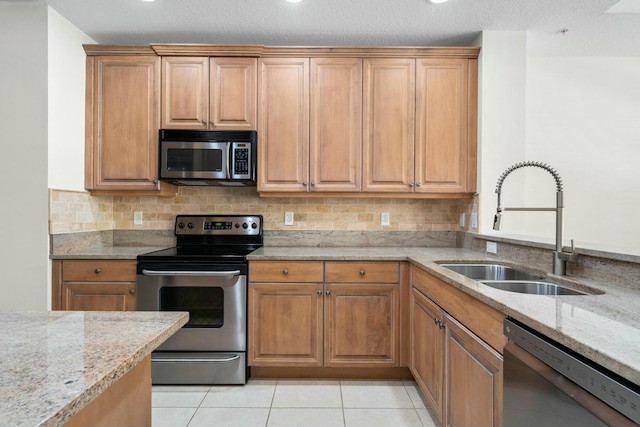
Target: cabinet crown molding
[179, 49]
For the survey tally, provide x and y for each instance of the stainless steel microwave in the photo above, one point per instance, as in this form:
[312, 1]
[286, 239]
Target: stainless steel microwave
[207, 157]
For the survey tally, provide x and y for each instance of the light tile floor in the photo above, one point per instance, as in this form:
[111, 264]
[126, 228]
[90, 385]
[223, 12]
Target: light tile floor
[293, 403]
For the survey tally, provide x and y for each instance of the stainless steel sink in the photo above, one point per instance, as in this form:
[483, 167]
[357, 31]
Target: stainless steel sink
[532, 287]
[510, 279]
[491, 272]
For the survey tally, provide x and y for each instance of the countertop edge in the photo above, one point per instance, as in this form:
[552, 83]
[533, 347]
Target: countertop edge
[79, 402]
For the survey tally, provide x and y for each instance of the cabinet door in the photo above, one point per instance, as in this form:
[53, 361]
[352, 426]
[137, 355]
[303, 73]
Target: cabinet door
[442, 125]
[99, 296]
[285, 324]
[427, 350]
[283, 124]
[389, 111]
[474, 392]
[232, 93]
[362, 325]
[336, 124]
[185, 92]
[123, 118]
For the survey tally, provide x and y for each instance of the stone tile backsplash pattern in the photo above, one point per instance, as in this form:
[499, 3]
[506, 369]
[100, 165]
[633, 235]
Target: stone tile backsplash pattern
[75, 211]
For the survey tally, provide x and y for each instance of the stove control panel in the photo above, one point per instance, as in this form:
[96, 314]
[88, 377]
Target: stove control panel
[244, 225]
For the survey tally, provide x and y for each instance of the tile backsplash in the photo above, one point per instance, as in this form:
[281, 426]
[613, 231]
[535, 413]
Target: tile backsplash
[75, 211]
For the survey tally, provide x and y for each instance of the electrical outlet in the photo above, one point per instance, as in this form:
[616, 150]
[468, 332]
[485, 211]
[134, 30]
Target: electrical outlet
[492, 247]
[385, 219]
[288, 218]
[462, 219]
[137, 218]
[474, 220]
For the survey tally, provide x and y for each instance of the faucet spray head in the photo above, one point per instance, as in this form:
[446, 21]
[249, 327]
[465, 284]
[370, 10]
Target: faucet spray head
[497, 220]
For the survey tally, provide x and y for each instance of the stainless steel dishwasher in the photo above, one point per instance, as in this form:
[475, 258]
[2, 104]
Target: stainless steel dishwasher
[546, 384]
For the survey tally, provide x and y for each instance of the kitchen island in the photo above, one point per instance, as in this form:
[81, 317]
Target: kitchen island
[62, 367]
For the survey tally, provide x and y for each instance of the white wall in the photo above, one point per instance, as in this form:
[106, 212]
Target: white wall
[66, 103]
[23, 175]
[502, 68]
[583, 117]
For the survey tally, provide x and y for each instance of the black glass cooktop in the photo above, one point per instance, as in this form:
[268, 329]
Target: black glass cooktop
[211, 253]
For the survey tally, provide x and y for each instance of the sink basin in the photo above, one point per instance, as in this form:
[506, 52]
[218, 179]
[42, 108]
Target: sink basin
[510, 279]
[533, 287]
[491, 272]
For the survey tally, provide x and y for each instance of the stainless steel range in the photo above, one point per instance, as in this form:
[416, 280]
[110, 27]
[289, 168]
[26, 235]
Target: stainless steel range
[206, 275]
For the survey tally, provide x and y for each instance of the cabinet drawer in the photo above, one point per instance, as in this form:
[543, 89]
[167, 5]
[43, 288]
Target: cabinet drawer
[95, 270]
[362, 272]
[285, 271]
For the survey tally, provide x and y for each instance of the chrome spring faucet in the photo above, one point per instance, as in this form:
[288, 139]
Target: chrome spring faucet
[560, 258]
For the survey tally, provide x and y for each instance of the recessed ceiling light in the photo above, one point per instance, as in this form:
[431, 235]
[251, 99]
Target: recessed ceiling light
[294, 1]
[149, 1]
[438, 1]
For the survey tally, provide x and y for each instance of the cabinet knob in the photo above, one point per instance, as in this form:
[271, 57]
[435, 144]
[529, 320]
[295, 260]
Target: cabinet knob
[410, 184]
[285, 271]
[97, 271]
[418, 184]
[204, 122]
[319, 292]
[132, 291]
[155, 181]
[327, 293]
[313, 184]
[362, 272]
[304, 183]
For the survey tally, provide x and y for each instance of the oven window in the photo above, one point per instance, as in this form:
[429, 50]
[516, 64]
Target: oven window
[194, 160]
[205, 305]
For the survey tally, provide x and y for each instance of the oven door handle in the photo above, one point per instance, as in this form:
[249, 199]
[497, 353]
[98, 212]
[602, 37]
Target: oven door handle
[191, 273]
[201, 360]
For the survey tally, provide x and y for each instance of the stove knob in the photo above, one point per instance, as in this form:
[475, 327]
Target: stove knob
[254, 225]
[190, 225]
[181, 225]
[237, 225]
[245, 225]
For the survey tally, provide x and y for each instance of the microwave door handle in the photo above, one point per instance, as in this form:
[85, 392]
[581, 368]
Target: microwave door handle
[229, 156]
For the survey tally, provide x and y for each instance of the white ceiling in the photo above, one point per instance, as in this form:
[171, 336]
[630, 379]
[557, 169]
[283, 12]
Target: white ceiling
[592, 31]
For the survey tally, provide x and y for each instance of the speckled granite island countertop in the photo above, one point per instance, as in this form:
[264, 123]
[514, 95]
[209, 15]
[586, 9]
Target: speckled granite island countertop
[604, 328]
[52, 364]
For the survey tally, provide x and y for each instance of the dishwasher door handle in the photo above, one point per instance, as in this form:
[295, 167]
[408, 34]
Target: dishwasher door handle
[191, 273]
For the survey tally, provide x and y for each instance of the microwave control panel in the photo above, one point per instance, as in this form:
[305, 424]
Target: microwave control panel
[241, 156]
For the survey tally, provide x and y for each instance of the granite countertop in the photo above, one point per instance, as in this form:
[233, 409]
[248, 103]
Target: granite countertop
[52, 364]
[604, 328]
[104, 252]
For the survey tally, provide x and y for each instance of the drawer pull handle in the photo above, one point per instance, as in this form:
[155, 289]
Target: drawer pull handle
[362, 272]
[285, 271]
[97, 271]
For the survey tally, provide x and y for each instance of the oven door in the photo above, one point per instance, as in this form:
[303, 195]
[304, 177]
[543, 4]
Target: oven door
[194, 159]
[215, 300]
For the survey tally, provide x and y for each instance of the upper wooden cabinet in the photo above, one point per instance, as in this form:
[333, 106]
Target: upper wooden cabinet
[209, 93]
[283, 125]
[335, 160]
[445, 150]
[122, 121]
[389, 111]
[372, 122]
[310, 126]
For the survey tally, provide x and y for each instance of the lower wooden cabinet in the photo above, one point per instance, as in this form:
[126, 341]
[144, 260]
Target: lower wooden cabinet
[458, 373]
[304, 321]
[427, 350]
[285, 324]
[94, 285]
[474, 379]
